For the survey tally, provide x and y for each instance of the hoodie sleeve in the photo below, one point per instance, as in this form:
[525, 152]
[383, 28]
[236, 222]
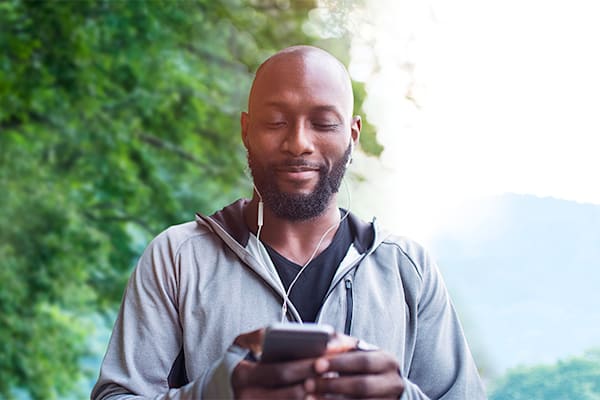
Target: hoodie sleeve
[441, 365]
[144, 351]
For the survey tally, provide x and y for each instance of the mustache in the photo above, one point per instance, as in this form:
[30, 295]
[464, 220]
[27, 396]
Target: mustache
[298, 162]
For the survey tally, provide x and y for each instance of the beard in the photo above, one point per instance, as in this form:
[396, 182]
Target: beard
[294, 206]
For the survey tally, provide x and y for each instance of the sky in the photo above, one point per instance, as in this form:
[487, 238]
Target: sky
[473, 98]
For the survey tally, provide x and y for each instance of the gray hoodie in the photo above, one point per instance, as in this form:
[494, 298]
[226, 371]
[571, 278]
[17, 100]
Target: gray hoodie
[200, 284]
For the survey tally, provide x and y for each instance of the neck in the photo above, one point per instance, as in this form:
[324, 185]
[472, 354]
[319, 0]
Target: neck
[295, 240]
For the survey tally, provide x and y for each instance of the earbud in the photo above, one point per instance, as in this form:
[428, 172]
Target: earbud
[259, 218]
[260, 210]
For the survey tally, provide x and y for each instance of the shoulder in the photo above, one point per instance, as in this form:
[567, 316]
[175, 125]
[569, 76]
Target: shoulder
[407, 253]
[412, 259]
[418, 271]
[176, 236]
[413, 251]
[167, 259]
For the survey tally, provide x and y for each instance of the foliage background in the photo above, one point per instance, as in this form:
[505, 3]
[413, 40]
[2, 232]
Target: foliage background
[117, 119]
[574, 378]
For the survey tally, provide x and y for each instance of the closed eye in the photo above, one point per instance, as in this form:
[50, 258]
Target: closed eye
[275, 124]
[325, 127]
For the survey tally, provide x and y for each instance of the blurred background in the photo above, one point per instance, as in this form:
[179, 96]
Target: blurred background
[120, 118]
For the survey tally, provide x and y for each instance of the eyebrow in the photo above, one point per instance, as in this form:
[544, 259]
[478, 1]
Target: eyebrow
[320, 108]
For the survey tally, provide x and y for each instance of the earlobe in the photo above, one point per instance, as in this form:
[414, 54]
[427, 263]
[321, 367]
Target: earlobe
[244, 117]
[356, 127]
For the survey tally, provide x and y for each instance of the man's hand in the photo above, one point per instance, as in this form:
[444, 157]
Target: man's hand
[356, 374]
[252, 380]
[285, 380]
[340, 373]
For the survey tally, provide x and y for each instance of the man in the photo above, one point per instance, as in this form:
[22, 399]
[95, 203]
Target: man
[194, 306]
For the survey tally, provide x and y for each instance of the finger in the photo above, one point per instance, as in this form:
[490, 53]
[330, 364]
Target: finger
[289, 392]
[357, 362]
[272, 374]
[251, 340]
[385, 385]
[339, 343]
[325, 397]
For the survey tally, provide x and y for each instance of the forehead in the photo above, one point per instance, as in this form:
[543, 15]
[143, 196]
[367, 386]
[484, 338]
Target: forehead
[302, 81]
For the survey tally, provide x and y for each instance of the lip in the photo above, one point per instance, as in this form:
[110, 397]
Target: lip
[292, 169]
[297, 173]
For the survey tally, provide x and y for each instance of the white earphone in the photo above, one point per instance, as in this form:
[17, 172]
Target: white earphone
[260, 222]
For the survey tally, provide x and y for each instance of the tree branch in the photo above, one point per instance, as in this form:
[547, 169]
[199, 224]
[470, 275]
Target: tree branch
[164, 145]
[119, 218]
[220, 61]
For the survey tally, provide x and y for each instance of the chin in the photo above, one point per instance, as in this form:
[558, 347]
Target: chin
[298, 189]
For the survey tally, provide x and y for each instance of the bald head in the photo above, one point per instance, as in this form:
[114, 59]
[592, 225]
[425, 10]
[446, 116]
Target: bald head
[303, 66]
[299, 131]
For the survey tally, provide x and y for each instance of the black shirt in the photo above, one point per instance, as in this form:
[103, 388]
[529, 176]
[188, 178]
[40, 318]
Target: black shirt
[310, 289]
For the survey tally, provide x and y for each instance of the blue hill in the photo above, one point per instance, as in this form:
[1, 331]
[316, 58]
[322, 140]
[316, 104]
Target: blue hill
[525, 274]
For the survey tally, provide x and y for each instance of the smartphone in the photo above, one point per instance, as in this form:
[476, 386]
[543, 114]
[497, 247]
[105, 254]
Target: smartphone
[288, 342]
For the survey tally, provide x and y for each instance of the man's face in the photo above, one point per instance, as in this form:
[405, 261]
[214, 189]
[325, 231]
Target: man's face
[297, 132]
[295, 206]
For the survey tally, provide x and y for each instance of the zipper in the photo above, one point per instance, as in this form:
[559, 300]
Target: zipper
[349, 306]
[345, 276]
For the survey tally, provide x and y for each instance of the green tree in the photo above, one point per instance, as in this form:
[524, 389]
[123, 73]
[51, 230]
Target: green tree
[576, 378]
[117, 118]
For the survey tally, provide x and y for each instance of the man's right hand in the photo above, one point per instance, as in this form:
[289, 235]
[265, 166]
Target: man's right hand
[253, 380]
[285, 380]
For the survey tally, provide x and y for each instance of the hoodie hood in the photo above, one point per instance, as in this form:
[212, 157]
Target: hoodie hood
[231, 220]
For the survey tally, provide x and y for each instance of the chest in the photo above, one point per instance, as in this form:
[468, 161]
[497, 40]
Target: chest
[215, 307]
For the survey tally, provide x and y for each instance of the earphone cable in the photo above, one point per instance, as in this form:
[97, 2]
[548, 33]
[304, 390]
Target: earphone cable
[289, 290]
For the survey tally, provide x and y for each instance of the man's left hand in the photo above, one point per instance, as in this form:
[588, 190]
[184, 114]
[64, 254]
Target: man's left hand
[356, 374]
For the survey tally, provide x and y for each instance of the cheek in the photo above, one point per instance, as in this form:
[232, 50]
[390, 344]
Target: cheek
[335, 151]
[258, 159]
[259, 143]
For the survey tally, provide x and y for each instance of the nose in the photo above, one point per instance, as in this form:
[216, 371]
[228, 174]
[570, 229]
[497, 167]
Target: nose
[298, 140]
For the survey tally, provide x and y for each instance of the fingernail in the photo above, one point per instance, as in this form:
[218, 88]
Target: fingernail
[321, 365]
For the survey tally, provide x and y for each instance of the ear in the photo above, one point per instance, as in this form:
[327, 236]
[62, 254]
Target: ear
[244, 122]
[355, 128]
